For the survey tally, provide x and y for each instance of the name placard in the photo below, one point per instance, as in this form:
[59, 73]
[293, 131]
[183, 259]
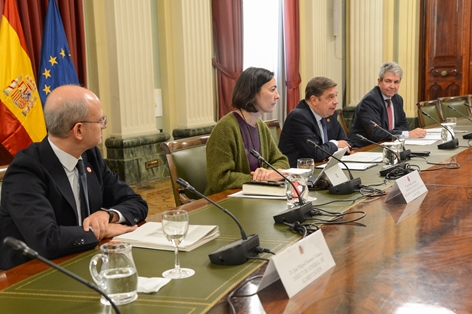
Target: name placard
[299, 264]
[410, 186]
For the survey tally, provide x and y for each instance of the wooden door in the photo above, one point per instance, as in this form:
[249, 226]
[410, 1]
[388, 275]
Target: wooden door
[445, 48]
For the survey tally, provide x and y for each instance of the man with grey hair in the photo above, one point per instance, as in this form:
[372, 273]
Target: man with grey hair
[44, 202]
[383, 106]
[314, 119]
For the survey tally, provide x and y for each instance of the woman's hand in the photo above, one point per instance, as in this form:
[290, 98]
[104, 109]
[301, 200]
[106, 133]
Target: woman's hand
[262, 174]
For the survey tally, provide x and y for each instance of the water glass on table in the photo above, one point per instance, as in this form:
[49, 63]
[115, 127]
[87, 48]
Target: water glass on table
[306, 163]
[449, 124]
[175, 227]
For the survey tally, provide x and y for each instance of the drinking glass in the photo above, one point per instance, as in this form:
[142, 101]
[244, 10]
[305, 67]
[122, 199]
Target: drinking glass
[452, 120]
[401, 139]
[175, 227]
[450, 124]
[306, 163]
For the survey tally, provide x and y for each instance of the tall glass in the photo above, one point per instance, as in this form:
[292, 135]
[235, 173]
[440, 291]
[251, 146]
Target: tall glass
[175, 227]
[306, 163]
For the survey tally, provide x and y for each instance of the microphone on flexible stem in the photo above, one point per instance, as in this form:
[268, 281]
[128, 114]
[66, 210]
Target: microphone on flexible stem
[465, 136]
[237, 252]
[405, 153]
[386, 169]
[21, 247]
[347, 187]
[449, 144]
[299, 212]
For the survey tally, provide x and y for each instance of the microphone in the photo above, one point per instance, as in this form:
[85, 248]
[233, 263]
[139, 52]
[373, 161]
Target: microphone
[387, 169]
[375, 124]
[237, 252]
[405, 153]
[345, 187]
[301, 211]
[465, 136]
[21, 247]
[449, 144]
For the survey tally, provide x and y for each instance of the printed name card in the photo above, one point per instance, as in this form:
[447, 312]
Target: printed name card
[410, 186]
[299, 264]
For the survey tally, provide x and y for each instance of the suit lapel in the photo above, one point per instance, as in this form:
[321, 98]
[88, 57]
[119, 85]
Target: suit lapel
[314, 123]
[56, 170]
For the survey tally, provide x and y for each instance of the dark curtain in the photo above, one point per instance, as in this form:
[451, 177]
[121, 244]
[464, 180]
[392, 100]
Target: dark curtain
[228, 43]
[32, 14]
[292, 52]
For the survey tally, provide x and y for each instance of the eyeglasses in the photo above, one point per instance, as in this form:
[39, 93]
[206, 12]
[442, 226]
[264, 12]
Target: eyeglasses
[103, 122]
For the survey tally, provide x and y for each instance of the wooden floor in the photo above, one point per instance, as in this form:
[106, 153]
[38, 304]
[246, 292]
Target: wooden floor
[158, 194]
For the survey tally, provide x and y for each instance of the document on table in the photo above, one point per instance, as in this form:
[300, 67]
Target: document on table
[151, 236]
[354, 165]
[363, 157]
[241, 194]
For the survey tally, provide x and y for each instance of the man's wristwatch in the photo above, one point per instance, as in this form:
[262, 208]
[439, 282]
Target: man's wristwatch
[111, 213]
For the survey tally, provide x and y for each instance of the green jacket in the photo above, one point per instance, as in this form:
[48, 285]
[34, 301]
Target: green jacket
[227, 163]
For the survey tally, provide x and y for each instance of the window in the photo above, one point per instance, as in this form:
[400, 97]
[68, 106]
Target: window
[263, 44]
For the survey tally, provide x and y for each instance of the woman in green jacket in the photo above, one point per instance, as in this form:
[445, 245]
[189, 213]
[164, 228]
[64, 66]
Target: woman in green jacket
[229, 161]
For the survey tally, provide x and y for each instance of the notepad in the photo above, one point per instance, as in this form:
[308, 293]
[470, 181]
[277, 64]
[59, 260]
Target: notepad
[353, 165]
[151, 236]
[369, 157]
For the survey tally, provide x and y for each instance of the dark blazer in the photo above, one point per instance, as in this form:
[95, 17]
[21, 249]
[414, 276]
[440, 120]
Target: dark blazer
[38, 206]
[301, 125]
[372, 107]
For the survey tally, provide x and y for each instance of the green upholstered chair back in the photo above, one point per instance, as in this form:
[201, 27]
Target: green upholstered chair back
[186, 159]
[432, 108]
[342, 121]
[275, 130]
[458, 103]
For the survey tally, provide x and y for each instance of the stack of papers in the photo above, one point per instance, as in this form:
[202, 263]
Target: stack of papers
[151, 236]
[354, 165]
[369, 157]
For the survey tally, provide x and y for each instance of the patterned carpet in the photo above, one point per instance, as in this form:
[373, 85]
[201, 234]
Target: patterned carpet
[158, 194]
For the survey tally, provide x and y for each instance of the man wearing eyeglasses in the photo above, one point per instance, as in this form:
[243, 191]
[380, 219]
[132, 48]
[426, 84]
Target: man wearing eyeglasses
[52, 202]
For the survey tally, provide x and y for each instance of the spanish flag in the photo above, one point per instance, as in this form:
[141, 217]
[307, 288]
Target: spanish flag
[21, 113]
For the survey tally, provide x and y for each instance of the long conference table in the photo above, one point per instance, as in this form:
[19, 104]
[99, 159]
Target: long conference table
[400, 258]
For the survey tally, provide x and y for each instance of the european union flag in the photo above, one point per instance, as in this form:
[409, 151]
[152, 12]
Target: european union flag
[56, 67]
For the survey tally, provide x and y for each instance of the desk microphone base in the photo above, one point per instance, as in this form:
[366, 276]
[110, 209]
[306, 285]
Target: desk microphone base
[449, 144]
[467, 136]
[347, 187]
[298, 213]
[237, 252]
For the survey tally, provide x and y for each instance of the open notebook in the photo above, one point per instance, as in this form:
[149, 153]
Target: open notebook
[151, 236]
[353, 165]
[369, 157]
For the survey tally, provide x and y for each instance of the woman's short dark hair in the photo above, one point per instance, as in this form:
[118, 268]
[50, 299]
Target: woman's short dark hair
[247, 86]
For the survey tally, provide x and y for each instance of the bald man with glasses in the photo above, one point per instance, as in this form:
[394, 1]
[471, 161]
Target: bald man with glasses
[59, 196]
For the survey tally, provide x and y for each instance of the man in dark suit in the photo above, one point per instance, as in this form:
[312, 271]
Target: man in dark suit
[41, 201]
[383, 106]
[314, 119]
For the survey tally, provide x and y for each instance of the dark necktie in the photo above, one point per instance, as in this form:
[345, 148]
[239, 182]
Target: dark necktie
[84, 201]
[390, 114]
[325, 130]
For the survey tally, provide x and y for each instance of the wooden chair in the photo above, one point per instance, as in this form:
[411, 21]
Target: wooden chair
[432, 108]
[342, 121]
[458, 103]
[275, 129]
[186, 159]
